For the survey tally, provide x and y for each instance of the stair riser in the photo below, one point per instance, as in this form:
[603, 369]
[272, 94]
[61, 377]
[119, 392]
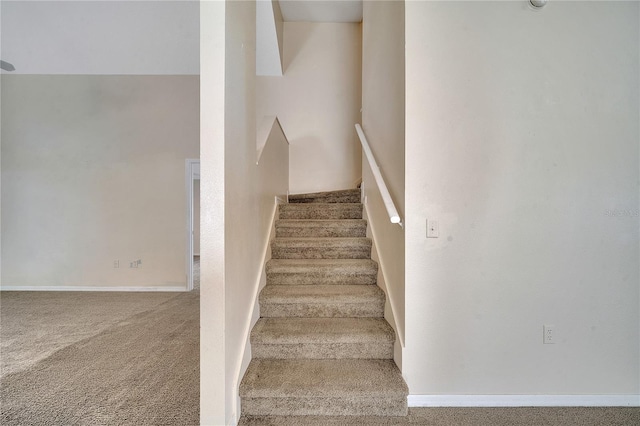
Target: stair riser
[284, 252]
[353, 198]
[307, 211]
[320, 232]
[302, 278]
[370, 309]
[341, 196]
[374, 350]
[318, 406]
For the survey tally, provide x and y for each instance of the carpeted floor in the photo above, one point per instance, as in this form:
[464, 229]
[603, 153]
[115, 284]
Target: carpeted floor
[139, 367]
[35, 325]
[133, 359]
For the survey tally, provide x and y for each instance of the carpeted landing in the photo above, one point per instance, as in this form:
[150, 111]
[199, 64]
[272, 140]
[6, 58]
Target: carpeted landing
[143, 370]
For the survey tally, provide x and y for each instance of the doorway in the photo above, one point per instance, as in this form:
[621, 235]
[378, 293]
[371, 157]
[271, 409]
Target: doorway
[193, 220]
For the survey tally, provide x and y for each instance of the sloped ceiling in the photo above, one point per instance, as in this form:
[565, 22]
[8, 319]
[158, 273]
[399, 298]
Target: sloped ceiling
[321, 10]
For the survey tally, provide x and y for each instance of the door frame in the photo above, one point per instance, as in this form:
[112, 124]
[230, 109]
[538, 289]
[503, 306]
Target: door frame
[192, 173]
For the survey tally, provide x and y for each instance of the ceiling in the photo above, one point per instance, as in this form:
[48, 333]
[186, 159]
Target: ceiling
[321, 10]
[101, 37]
[36, 41]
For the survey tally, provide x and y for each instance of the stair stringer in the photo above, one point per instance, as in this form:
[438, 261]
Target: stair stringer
[254, 313]
[391, 310]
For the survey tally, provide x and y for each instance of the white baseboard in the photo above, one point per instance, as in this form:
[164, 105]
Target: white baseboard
[233, 421]
[523, 400]
[89, 288]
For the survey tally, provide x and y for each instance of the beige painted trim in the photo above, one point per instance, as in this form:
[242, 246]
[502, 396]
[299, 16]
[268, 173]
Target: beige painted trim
[523, 400]
[381, 264]
[90, 288]
[254, 312]
[192, 172]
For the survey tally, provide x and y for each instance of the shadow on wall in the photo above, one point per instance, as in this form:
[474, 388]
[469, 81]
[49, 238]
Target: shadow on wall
[303, 148]
[295, 45]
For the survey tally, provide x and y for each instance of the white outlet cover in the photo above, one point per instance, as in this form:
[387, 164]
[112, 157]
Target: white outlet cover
[549, 334]
[433, 228]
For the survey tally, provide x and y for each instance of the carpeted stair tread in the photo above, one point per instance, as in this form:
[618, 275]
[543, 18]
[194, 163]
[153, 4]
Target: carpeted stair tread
[321, 271]
[321, 211]
[321, 248]
[322, 346]
[320, 386]
[317, 293]
[287, 228]
[322, 330]
[321, 377]
[321, 301]
[342, 196]
[322, 338]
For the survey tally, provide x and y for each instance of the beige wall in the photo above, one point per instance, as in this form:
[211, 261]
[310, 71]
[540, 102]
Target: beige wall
[318, 102]
[522, 140]
[383, 123]
[93, 172]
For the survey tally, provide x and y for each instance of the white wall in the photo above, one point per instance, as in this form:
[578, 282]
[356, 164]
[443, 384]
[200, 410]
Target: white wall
[249, 195]
[383, 123]
[93, 172]
[383, 90]
[97, 139]
[212, 218]
[101, 37]
[242, 247]
[521, 138]
[0, 153]
[318, 102]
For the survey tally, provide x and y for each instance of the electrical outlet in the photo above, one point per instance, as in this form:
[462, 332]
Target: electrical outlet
[549, 334]
[433, 228]
[116, 263]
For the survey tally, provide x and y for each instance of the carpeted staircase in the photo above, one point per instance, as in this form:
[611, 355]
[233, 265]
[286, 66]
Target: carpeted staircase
[322, 346]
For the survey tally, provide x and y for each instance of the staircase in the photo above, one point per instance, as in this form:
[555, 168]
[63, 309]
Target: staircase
[322, 346]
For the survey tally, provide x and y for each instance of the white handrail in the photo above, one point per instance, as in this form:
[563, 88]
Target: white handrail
[394, 217]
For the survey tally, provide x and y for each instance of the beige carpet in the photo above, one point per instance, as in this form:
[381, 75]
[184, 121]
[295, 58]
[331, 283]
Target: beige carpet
[34, 325]
[142, 370]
